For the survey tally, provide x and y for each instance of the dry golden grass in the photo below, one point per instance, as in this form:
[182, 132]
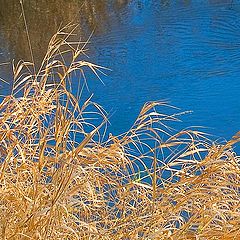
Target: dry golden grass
[60, 180]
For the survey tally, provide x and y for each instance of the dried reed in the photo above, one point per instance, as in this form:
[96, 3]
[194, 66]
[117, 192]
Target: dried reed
[60, 180]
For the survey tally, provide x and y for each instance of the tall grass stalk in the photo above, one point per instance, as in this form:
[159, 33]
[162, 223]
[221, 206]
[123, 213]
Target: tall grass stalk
[60, 180]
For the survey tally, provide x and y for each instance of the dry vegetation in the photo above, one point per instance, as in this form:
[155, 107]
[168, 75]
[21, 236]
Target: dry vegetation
[62, 179]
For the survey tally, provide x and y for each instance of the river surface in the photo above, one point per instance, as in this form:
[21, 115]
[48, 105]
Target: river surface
[185, 52]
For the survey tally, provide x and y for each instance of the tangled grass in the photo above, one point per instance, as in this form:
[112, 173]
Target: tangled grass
[61, 178]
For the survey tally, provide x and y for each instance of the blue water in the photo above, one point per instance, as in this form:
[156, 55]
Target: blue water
[185, 53]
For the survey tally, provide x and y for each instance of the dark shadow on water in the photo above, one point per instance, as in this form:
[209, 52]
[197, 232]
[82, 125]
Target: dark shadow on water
[44, 18]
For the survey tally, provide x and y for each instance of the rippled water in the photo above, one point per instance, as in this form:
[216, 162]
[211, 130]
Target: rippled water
[187, 52]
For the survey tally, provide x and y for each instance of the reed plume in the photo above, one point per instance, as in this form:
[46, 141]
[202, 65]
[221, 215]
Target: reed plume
[61, 178]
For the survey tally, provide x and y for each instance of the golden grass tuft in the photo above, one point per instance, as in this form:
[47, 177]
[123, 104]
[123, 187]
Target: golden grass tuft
[60, 180]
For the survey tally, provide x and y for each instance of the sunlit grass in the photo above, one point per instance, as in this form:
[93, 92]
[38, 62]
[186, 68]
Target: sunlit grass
[62, 178]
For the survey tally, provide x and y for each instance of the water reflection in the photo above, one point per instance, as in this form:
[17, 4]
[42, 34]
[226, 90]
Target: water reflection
[44, 18]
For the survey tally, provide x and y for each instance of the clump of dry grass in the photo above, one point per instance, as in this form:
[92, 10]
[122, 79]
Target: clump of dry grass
[60, 180]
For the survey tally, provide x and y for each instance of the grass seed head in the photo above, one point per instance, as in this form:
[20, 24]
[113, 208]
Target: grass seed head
[60, 180]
